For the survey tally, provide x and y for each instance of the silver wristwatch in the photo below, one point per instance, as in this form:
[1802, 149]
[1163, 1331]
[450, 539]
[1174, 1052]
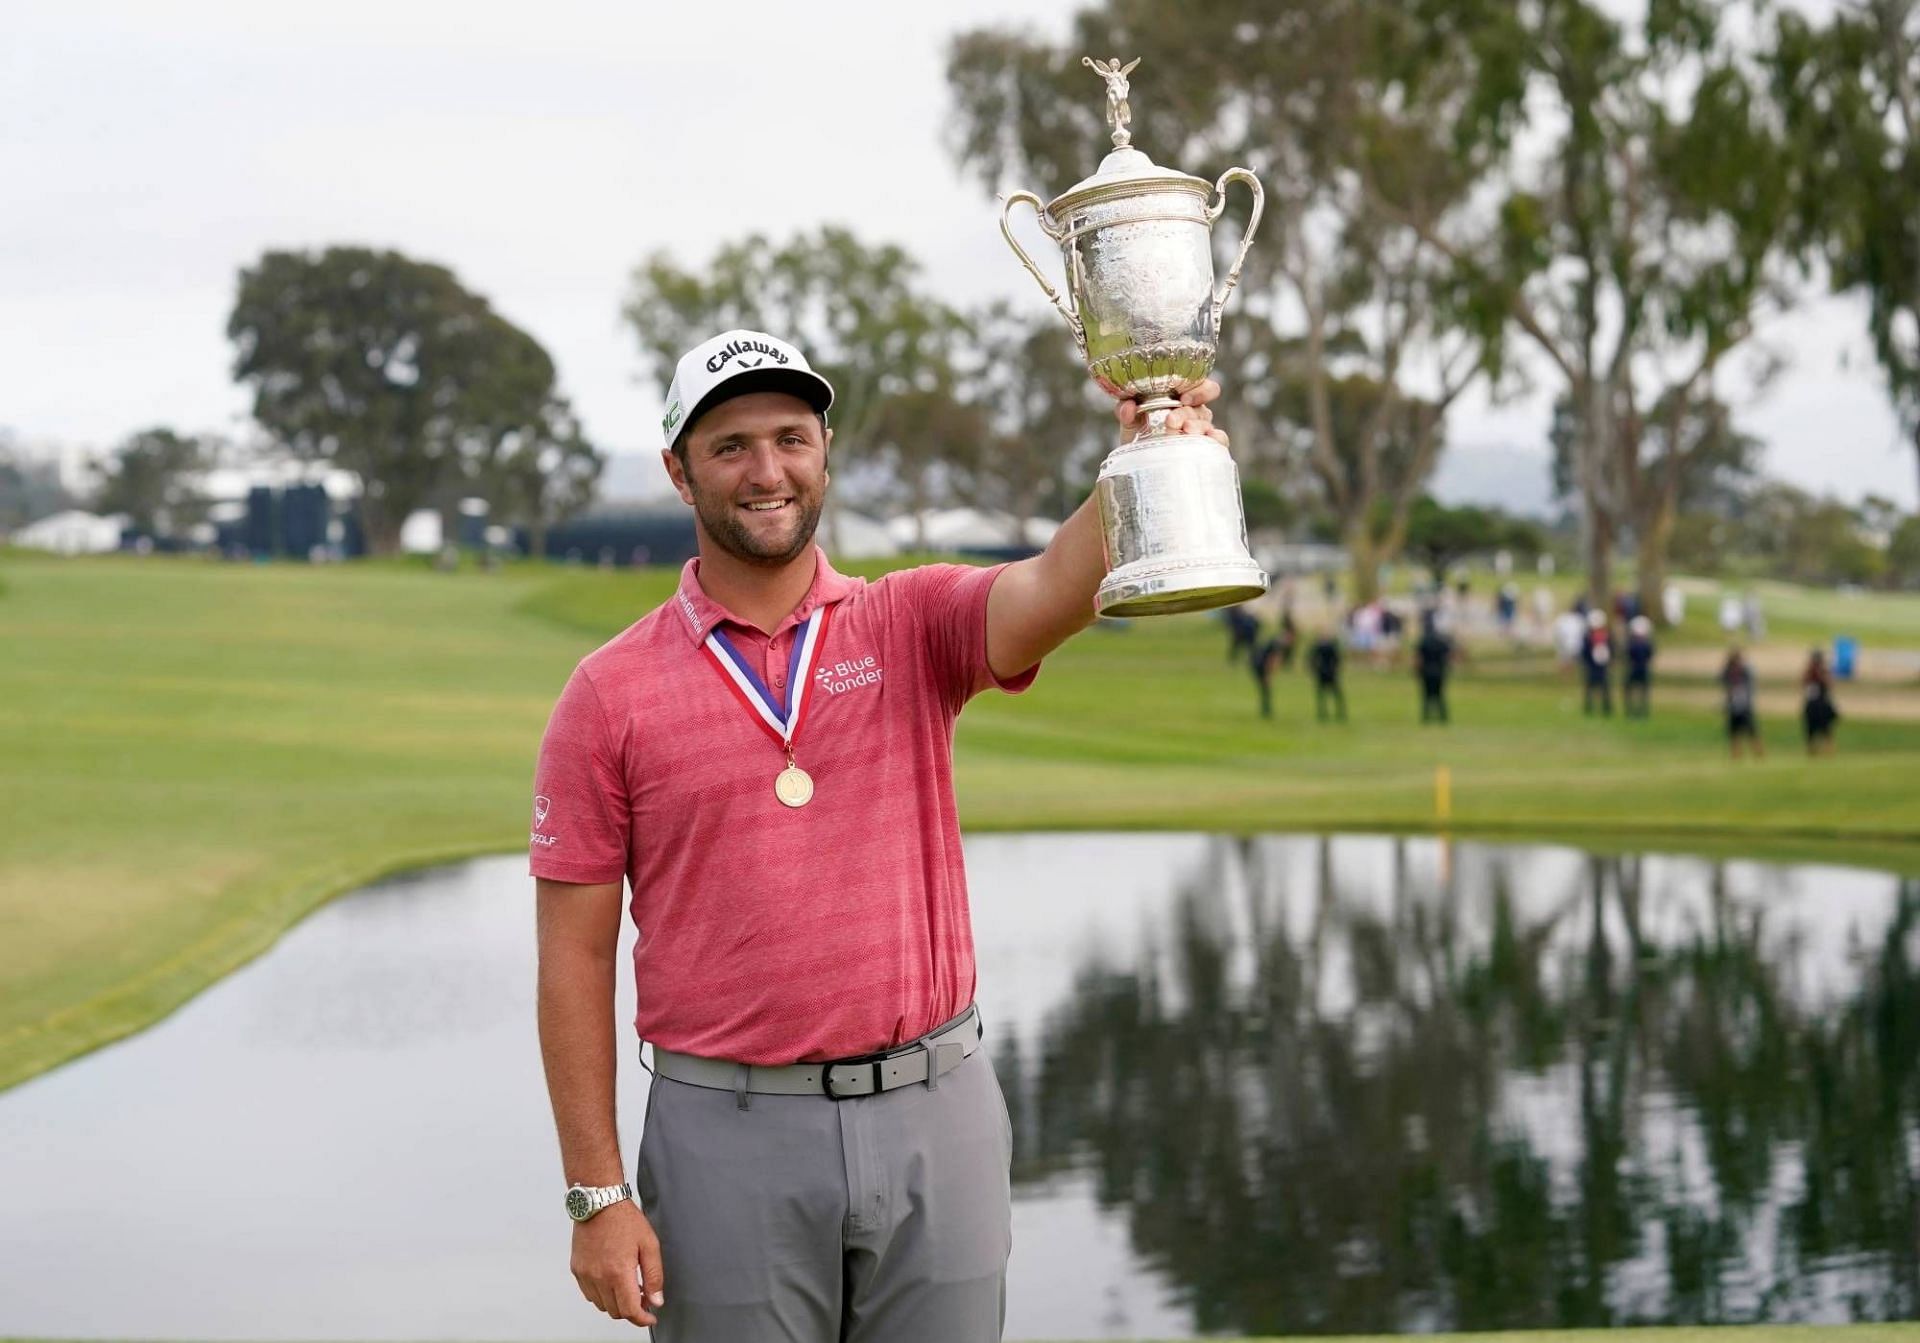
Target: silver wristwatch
[584, 1200]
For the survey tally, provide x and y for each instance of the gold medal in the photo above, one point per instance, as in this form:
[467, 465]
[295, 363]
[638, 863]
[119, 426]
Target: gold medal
[793, 786]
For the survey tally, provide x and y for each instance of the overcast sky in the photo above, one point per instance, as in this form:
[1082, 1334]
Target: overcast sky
[150, 150]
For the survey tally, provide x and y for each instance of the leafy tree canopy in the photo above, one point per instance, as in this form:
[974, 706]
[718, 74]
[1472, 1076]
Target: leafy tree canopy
[153, 478]
[383, 366]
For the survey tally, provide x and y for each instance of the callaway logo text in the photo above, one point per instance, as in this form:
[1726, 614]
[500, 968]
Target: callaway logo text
[742, 348]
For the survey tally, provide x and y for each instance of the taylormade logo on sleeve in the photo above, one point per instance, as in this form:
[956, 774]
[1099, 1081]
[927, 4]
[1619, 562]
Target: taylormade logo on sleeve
[541, 807]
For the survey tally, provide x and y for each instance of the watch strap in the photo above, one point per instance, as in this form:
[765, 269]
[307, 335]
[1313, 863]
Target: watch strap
[602, 1197]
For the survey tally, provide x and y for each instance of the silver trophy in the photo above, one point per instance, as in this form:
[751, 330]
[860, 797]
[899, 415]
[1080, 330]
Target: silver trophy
[1137, 241]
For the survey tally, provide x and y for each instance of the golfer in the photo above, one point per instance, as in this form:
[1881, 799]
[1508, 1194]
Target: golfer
[766, 761]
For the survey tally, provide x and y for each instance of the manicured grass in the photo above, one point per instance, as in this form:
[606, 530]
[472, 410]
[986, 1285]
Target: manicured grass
[193, 755]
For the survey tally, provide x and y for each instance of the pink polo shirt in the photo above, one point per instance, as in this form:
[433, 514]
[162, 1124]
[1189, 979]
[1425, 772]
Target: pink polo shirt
[767, 934]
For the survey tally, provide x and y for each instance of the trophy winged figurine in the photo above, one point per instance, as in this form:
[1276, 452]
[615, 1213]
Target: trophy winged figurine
[1137, 243]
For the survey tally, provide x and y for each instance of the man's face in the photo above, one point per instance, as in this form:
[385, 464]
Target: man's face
[756, 474]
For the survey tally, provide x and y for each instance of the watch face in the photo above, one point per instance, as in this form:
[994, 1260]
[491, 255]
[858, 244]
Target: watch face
[579, 1207]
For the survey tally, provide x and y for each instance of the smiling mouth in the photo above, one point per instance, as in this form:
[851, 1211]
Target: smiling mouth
[766, 505]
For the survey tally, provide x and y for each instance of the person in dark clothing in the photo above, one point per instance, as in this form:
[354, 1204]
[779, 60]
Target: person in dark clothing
[1323, 660]
[1289, 638]
[1596, 657]
[1261, 659]
[1736, 680]
[1433, 658]
[1817, 709]
[1636, 691]
[1243, 631]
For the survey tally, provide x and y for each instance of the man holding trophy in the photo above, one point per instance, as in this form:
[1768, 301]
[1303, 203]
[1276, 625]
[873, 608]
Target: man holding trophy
[765, 760]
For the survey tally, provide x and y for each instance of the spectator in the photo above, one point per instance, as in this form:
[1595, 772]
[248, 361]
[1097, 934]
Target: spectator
[1289, 638]
[1673, 604]
[1261, 658]
[1637, 691]
[1818, 713]
[1569, 636]
[1736, 680]
[1733, 614]
[1543, 608]
[1596, 656]
[1433, 658]
[1323, 660]
[1242, 631]
[1392, 626]
[1366, 623]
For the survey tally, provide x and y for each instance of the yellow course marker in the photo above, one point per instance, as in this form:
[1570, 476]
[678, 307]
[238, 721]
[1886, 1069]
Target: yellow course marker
[1442, 793]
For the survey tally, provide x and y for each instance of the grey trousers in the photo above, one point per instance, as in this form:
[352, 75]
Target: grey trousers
[810, 1220]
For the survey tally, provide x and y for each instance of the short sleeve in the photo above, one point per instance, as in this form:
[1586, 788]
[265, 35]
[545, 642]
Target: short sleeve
[580, 807]
[950, 604]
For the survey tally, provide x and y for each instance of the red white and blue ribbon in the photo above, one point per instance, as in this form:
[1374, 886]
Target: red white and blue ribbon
[781, 717]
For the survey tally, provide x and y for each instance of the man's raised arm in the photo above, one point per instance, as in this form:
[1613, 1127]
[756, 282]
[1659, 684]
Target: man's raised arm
[1038, 604]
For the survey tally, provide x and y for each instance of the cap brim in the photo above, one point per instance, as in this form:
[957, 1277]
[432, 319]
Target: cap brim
[809, 386]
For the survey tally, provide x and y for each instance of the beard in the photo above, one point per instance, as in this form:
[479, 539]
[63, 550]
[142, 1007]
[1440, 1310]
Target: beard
[721, 519]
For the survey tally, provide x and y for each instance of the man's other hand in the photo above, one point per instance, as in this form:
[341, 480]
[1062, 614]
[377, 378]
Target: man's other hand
[608, 1248]
[1193, 416]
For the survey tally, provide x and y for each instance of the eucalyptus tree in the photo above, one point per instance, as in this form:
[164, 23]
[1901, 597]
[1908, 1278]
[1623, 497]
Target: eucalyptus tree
[1852, 93]
[154, 478]
[382, 366]
[857, 310]
[1317, 97]
[1048, 423]
[541, 470]
[1645, 226]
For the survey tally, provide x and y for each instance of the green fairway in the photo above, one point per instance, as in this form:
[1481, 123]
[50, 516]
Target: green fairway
[195, 754]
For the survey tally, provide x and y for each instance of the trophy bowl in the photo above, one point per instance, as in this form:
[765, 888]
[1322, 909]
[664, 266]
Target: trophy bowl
[1136, 242]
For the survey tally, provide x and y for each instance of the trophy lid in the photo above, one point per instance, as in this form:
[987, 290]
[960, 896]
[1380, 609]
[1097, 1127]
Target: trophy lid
[1126, 171]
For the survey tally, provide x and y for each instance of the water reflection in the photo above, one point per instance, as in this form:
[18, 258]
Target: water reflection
[1489, 1094]
[1286, 1084]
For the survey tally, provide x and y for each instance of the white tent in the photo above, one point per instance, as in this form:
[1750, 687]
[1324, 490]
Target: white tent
[73, 533]
[847, 535]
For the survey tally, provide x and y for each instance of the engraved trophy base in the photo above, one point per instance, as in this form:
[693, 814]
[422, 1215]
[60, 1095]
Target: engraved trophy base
[1175, 532]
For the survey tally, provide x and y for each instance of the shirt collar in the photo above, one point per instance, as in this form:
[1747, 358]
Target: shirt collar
[699, 613]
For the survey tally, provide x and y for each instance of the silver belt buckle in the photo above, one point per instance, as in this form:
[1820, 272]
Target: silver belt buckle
[875, 1061]
[871, 1061]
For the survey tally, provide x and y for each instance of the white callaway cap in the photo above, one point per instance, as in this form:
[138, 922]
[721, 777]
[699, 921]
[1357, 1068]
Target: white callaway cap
[732, 364]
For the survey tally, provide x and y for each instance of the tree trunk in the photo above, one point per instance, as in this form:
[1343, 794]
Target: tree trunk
[537, 535]
[1599, 558]
[1365, 557]
[380, 526]
[1656, 531]
[1592, 449]
[1916, 456]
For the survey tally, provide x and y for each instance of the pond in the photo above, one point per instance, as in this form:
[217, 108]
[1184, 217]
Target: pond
[1286, 1084]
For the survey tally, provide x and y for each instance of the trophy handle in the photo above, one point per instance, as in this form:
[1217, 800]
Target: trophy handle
[1006, 231]
[1246, 239]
